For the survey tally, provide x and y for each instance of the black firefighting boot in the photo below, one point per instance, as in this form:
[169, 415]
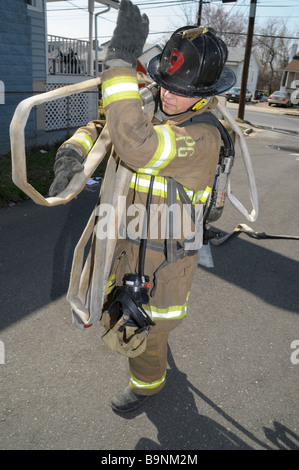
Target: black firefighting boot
[126, 400]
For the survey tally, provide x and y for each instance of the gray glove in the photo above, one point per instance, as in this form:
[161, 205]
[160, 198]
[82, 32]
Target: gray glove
[129, 35]
[68, 162]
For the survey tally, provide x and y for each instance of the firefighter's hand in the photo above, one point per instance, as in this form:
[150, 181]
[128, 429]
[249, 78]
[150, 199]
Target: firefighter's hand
[129, 35]
[68, 162]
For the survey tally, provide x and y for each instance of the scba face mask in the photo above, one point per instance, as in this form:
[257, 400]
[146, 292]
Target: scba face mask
[126, 322]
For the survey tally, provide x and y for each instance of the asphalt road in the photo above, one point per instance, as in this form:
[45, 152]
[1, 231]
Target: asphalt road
[288, 123]
[233, 371]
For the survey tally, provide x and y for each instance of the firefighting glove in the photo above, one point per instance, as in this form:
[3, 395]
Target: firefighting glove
[129, 35]
[68, 161]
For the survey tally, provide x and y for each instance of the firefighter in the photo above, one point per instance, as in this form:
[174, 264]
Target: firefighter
[173, 152]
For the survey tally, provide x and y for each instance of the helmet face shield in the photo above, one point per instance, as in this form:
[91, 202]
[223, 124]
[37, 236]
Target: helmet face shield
[192, 64]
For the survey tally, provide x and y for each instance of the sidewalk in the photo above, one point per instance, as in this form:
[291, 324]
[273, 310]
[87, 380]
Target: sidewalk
[263, 107]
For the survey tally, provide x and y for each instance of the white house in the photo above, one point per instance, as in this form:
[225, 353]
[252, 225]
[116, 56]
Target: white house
[290, 76]
[149, 51]
[235, 62]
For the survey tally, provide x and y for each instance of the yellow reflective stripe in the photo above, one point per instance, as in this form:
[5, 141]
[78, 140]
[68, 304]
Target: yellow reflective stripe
[141, 183]
[145, 385]
[120, 88]
[196, 197]
[83, 139]
[110, 284]
[165, 152]
[170, 313]
[189, 193]
[206, 194]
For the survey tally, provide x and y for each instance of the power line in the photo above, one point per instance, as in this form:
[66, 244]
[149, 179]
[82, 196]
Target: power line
[158, 4]
[224, 32]
[260, 35]
[152, 4]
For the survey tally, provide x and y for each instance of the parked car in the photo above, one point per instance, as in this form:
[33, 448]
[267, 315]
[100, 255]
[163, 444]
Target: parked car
[260, 96]
[263, 98]
[281, 98]
[234, 95]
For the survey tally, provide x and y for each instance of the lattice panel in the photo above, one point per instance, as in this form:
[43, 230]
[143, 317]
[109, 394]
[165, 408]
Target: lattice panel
[64, 113]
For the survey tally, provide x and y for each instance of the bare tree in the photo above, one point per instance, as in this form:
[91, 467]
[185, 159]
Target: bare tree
[229, 26]
[189, 14]
[274, 50]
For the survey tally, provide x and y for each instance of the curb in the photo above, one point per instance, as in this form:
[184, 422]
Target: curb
[268, 128]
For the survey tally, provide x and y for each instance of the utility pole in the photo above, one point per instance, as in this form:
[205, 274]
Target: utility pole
[90, 48]
[199, 13]
[247, 59]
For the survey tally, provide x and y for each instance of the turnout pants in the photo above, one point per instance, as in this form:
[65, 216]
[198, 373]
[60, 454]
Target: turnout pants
[148, 370]
[167, 307]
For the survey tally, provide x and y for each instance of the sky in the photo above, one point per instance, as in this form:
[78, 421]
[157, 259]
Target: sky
[69, 18]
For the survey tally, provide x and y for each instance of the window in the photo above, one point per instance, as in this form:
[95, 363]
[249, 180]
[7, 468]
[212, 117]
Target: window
[36, 5]
[284, 78]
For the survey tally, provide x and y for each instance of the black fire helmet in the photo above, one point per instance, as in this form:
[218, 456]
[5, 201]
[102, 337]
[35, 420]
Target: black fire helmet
[192, 63]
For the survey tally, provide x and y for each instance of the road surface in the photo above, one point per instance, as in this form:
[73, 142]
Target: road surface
[265, 117]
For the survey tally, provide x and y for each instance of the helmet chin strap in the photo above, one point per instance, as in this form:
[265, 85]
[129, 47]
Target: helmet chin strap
[195, 107]
[200, 104]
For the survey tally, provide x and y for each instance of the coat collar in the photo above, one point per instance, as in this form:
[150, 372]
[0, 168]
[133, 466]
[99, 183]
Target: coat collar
[179, 118]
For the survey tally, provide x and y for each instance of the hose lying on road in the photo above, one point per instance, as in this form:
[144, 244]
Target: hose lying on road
[243, 228]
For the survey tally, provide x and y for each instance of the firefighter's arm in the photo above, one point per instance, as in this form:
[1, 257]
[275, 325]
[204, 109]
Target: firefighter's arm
[72, 153]
[128, 37]
[165, 149]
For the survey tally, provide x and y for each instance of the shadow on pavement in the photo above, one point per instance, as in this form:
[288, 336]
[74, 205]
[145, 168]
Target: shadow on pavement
[259, 270]
[36, 251]
[186, 428]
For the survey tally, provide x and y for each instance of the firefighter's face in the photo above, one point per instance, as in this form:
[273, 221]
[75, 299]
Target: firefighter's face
[175, 104]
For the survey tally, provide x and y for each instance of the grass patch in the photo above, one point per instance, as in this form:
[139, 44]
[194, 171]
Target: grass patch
[40, 163]
[241, 121]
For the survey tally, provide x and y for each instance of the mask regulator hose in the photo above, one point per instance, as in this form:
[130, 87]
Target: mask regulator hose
[129, 298]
